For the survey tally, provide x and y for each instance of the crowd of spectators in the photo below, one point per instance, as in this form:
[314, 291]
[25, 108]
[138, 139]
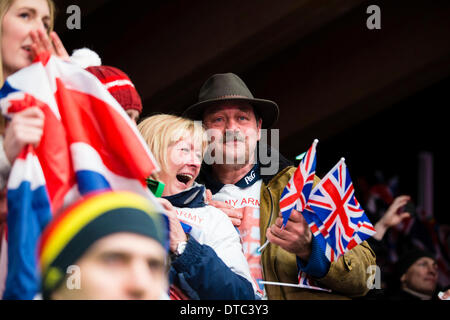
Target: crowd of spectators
[202, 239]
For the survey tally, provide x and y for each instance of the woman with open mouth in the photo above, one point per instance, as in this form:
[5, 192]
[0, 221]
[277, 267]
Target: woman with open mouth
[208, 262]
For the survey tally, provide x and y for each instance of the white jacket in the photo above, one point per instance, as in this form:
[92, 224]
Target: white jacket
[212, 227]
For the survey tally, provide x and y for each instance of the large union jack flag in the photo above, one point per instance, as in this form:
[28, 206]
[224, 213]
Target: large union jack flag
[296, 193]
[89, 144]
[334, 215]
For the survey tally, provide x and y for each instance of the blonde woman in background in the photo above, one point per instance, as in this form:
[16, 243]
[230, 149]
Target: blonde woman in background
[208, 262]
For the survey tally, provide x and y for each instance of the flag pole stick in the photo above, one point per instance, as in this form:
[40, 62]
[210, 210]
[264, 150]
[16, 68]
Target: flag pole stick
[263, 246]
[294, 285]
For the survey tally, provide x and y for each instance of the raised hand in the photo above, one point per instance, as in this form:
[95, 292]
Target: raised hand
[53, 44]
[392, 217]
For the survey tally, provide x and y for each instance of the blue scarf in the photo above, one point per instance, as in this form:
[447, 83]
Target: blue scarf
[194, 197]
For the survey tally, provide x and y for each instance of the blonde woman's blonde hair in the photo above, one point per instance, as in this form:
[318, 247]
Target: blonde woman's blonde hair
[163, 130]
[4, 7]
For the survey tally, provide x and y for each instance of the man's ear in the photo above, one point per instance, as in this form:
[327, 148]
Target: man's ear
[259, 126]
[403, 278]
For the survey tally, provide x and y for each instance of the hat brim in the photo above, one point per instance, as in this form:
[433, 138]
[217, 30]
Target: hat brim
[267, 110]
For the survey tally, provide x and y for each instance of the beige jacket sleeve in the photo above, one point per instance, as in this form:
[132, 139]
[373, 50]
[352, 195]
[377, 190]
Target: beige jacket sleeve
[351, 273]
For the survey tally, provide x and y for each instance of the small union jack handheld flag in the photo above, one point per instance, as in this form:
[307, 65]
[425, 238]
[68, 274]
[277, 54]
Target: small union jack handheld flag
[338, 216]
[296, 193]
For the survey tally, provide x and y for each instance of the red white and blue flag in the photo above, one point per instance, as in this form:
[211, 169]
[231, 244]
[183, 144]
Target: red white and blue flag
[306, 282]
[296, 193]
[335, 216]
[319, 232]
[89, 144]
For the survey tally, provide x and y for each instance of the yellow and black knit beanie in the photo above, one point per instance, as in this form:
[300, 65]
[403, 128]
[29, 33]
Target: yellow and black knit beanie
[71, 233]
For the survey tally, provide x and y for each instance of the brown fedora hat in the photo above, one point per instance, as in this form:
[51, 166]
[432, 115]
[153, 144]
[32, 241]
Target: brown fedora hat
[228, 86]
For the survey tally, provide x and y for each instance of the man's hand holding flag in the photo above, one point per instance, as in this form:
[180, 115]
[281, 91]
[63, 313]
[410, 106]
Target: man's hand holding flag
[330, 213]
[294, 197]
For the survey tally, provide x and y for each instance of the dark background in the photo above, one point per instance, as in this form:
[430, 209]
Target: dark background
[375, 97]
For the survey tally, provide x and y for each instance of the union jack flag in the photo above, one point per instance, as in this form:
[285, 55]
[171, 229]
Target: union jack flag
[335, 216]
[89, 144]
[305, 281]
[296, 193]
[319, 232]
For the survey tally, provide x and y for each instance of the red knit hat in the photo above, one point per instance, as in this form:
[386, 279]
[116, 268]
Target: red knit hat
[119, 85]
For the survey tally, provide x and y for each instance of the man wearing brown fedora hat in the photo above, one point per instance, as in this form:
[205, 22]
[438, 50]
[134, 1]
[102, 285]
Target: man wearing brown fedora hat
[249, 194]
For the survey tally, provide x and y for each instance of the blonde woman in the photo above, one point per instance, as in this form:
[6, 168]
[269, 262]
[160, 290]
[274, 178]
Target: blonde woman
[208, 259]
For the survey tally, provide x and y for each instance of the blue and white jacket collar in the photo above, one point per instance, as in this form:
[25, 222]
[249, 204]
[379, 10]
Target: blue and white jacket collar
[194, 197]
[249, 179]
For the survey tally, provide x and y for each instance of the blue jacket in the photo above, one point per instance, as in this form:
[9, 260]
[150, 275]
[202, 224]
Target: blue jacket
[201, 274]
[199, 271]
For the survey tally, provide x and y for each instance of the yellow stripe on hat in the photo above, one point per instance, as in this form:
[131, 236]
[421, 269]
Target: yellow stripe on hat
[85, 212]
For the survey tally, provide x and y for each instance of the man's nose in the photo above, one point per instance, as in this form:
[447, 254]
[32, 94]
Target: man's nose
[139, 278]
[231, 125]
[433, 270]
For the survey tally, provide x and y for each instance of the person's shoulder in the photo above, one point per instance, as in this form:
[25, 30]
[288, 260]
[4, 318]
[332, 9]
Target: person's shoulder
[281, 178]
